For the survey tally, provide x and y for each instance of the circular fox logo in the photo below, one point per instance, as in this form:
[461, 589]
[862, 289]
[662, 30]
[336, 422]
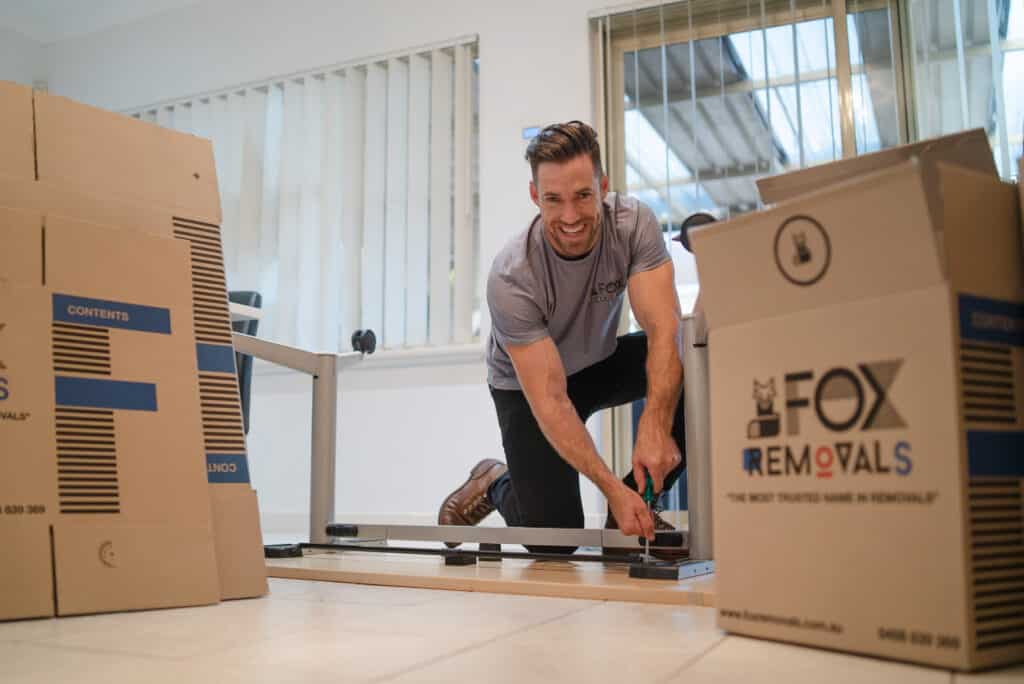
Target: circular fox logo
[803, 250]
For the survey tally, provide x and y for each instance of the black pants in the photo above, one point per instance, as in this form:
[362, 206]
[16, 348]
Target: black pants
[540, 488]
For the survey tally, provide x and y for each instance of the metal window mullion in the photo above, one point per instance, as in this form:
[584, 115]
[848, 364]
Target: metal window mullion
[767, 86]
[932, 128]
[997, 84]
[828, 69]
[600, 81]
[862, 86]
[693, 102]
[796, 74]
[898, 73]
[664, 104]
[616, 165]
[726, 107]
[961, 62]
[607, 116]
[844, 76]
[908, 70]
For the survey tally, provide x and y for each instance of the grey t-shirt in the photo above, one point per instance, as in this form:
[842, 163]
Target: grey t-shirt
[534, 293]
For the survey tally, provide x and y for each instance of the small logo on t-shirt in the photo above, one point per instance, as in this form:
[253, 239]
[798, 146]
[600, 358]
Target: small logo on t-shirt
[606, 292]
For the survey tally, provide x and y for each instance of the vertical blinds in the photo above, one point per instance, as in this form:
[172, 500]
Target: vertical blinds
[348, 196]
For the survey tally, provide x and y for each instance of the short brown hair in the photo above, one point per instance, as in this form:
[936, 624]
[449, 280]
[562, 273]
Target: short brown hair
[561, 142]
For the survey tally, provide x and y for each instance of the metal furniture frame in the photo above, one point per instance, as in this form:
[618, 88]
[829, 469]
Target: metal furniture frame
[324, 532]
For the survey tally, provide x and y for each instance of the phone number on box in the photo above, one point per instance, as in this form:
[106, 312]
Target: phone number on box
[18, 509]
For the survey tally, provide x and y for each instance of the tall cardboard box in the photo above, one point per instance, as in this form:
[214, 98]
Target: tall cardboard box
[116, 171]
[867, 407]
[103, 495]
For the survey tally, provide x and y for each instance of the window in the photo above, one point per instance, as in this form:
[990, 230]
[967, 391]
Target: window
[703, 97]
[967, 66]
[349, 196]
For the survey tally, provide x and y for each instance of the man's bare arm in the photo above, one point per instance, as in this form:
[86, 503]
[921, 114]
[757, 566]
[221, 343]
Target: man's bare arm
[542, 377]
[655, 303]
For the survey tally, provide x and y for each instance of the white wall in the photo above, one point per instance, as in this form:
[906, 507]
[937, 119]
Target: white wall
[20, 58]
[406, 436]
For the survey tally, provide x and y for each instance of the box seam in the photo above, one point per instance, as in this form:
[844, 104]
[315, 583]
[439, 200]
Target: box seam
[35, 144]
[53, 572]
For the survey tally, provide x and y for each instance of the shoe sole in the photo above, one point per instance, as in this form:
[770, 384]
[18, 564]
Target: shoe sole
[478, 471]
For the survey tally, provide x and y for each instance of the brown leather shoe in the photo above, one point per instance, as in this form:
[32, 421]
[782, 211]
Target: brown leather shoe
[468, 504]
[660, 525]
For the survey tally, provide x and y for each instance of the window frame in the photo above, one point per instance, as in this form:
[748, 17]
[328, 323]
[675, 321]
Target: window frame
[609, 55]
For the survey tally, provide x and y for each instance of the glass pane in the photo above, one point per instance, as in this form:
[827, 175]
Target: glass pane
[766, 102]
[650, 161]
[1009, 27]
[875, 108]
[738, 107]
[955, 76]
[1015, 23]
[1013, 77]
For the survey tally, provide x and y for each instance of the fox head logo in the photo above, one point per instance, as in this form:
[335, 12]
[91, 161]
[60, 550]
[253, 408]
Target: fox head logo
[767, 422]
[803, 253]
[764, 395]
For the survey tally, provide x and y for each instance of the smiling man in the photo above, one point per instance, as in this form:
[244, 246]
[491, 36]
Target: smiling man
[555, 294]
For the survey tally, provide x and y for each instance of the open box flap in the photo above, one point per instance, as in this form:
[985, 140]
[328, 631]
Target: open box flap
[864, 238]
[968, 149]
[121, 157]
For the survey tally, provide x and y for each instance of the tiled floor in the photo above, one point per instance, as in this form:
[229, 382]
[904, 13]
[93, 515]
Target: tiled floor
[314, 632]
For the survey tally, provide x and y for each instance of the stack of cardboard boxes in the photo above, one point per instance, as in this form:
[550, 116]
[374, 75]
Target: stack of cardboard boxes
[867, 404]
[123, 476]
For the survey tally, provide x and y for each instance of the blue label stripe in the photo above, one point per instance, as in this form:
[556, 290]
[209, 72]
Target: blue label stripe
[223, 468]
[995, 454]
[991, 320]
[106, 394]
[215, 358]
[109, 314]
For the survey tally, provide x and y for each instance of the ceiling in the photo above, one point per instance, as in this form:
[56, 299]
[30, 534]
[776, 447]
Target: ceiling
[51, 21]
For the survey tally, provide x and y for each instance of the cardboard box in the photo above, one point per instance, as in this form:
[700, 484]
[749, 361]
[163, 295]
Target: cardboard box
[17, 162]
[867, 405]
[116, 171]
[103, 494]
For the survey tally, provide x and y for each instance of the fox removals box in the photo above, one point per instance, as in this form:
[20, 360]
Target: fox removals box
[866, 346]
[103, 493]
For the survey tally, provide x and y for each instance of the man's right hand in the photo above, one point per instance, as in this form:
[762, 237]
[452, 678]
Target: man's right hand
[630, 511]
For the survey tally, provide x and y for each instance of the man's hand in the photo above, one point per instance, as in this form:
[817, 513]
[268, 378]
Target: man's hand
[656, 452]
[630, 511]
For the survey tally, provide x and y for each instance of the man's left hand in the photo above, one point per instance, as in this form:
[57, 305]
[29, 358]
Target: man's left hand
[656, 452]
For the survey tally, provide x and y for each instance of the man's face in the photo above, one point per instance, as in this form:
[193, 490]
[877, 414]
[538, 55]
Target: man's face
[569, 197]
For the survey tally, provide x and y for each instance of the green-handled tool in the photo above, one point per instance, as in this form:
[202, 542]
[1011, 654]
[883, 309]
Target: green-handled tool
[649, 500]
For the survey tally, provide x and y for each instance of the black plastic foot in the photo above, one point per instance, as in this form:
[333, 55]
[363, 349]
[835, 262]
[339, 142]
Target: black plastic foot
[655, 570]
[282, 551]
[490, 548]
[459, 559]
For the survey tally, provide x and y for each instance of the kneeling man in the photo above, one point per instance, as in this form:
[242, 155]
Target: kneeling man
[555, 293]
